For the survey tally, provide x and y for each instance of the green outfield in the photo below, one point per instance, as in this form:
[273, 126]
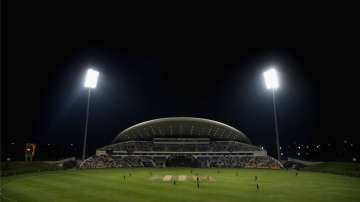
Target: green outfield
[158, 185]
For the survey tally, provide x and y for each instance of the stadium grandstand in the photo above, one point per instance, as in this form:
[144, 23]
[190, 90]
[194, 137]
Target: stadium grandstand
[181, 141]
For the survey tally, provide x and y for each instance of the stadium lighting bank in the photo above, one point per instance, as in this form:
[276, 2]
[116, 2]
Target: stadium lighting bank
[90, 83]
[272, 83]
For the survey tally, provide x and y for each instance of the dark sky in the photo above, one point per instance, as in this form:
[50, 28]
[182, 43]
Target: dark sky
[155, 65]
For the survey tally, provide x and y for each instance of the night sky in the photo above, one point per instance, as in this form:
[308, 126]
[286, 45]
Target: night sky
[153, 66]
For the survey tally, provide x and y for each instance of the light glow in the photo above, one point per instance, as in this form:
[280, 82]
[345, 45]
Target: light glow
[91, 78]
[271, 79]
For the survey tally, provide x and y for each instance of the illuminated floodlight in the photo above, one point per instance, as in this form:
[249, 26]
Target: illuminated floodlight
[272, 82]
[271, 79]
[90, 82]
[91, 78]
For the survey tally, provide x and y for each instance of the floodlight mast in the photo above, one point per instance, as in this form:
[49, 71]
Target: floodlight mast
[90, 83]
[276, 127]
[272, 82]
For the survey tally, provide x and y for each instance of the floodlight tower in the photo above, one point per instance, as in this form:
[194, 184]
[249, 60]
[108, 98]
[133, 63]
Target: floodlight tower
[272, 82]
[90, 83]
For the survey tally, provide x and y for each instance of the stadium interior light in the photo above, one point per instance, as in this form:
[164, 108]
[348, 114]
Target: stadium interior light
[271, 79]
[91, 78]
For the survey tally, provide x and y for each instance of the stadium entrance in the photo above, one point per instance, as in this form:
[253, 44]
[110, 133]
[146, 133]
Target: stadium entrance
[180, 161]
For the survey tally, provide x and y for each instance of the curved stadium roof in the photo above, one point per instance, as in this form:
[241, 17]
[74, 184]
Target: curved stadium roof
[181, 127]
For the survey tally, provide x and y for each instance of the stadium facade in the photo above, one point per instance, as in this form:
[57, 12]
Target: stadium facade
[181, 141]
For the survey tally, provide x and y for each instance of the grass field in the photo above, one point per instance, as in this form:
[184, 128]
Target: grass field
[341, 168]
[21, 167]
[149, 185]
